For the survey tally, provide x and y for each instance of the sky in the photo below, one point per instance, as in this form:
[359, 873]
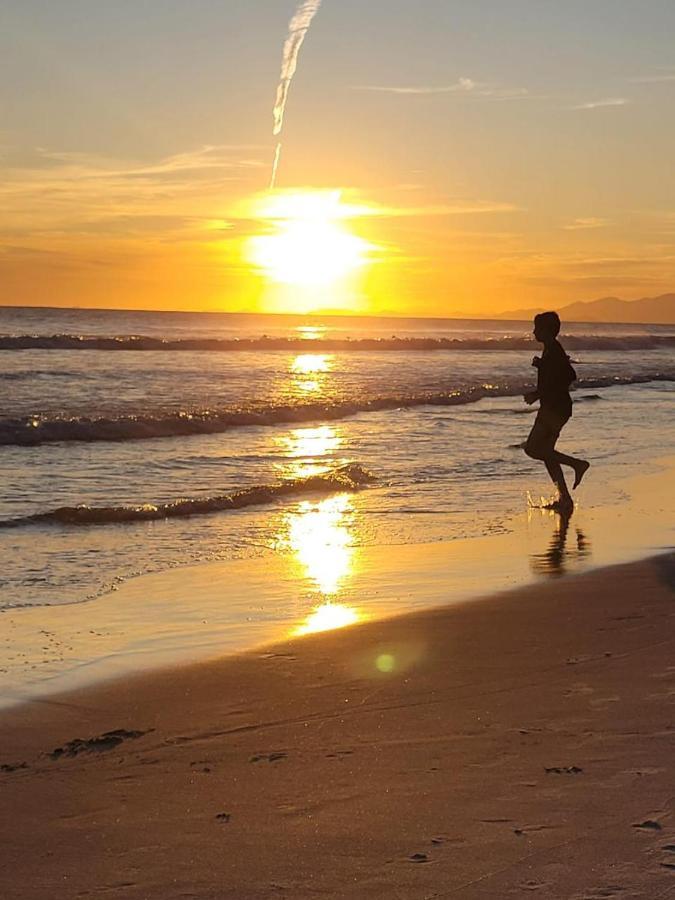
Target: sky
[464, 158]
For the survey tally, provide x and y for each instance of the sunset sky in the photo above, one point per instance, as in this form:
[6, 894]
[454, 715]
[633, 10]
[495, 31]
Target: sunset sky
[468, 157]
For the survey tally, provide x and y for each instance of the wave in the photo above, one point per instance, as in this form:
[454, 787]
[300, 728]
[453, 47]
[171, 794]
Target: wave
[294, 345]
[31, 431]
[350, 477]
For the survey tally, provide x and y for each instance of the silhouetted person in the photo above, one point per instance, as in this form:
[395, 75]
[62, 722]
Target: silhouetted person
[554, 377]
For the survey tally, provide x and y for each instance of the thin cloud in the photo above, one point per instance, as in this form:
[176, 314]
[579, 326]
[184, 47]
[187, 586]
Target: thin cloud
[610, 262]
[463, 86]
[599, 104]
[347, 205]
[446, 209]
[583, 224]
[662, 77]
[602, 282]
[43, 191]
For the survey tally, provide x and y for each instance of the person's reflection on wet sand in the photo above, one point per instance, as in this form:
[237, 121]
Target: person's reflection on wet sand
[555, 560]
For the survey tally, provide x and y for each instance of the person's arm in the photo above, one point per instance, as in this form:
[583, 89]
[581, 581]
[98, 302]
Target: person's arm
[532, 396]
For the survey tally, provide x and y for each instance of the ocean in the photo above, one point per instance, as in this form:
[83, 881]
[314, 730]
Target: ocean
[137, 442]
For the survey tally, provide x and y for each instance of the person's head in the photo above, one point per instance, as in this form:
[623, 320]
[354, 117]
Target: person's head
[546, 326]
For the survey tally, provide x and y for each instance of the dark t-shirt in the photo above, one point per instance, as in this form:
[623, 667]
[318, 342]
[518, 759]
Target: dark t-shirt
[555, 375]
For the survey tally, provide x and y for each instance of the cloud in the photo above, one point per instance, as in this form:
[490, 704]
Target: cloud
[53, 192]
[583, 224]
[599, 104]
[460, 208]
[463, 87]
[602, 282]
[612, 262]
[662, 77]
[345, 204]
[607, 272]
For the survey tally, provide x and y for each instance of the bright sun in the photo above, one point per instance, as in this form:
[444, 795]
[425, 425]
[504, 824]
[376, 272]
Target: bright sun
[309, 243]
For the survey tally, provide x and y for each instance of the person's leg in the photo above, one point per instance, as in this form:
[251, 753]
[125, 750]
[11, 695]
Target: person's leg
[554, 469]
[580, 466]
[541, 445]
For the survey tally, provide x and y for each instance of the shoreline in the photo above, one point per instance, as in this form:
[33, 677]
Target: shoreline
[229, 607]
[477, 750]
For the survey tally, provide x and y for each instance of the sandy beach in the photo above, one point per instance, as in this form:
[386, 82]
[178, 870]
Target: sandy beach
[520, 745]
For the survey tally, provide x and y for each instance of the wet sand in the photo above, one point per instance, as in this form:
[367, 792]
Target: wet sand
[195, 613]
[520, 745]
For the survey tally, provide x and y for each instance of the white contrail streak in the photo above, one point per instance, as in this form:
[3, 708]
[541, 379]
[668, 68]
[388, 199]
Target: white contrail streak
[275, 165]
[297, 29]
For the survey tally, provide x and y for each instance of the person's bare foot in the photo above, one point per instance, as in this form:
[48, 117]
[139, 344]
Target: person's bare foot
[565, 505]
[579, 472]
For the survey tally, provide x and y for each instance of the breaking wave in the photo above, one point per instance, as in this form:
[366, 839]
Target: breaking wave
[30, 431]
[293, 345]
[351, 477]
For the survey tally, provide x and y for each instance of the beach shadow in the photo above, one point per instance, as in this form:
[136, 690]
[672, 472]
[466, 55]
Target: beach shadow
[556, 559]
[665, 568]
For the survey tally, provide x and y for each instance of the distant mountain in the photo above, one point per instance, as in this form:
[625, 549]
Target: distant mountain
[653, 310]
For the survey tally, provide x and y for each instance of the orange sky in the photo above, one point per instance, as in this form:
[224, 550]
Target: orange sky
[485, 174]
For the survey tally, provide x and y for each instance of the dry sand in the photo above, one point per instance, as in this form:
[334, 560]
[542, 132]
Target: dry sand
[518, 746]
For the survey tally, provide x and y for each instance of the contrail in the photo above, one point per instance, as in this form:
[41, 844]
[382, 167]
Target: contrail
[297, 29]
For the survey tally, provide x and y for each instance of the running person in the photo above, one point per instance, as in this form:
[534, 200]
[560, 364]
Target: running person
[554, 377]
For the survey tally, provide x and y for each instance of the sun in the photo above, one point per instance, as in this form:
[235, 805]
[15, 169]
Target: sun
[309, 243]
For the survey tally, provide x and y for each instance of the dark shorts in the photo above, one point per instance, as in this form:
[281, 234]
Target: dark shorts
[545, 432]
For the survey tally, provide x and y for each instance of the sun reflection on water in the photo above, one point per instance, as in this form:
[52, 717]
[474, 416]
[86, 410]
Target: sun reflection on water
[311, 362]
[311, 332]
[319, 533]
[317, 441]
[307, 446]
[309, 372]
[321, 541]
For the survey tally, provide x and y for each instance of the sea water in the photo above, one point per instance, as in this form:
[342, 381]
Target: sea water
[135, 442]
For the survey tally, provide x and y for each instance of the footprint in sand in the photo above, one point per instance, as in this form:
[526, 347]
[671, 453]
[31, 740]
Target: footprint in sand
[269, 757]
[668, 864]
[13, 767]
[107, 741]
[611, 890]
[648, 825]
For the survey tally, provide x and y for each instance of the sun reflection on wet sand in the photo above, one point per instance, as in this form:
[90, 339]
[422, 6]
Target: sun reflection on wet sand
[318, 533]
[327, 617]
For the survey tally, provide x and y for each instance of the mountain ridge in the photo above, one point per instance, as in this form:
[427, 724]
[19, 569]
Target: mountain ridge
[658, 310]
